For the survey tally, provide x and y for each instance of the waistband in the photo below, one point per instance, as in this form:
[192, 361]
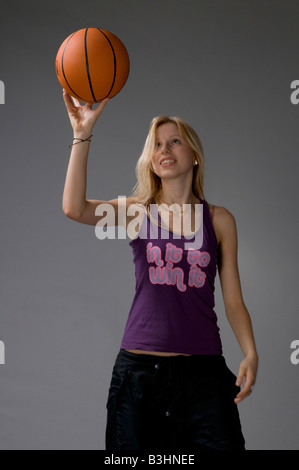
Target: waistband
[199, 359]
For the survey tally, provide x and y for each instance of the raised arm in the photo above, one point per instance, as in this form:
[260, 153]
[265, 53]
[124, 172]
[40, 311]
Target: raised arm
[83, 119]
[74, 202]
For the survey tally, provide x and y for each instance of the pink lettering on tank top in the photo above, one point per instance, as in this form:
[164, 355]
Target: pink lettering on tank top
[170, 274]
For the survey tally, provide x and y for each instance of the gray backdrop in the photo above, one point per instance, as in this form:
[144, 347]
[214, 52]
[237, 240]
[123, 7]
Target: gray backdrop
[225, 66]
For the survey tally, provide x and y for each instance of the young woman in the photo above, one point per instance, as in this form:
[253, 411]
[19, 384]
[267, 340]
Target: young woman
[171, 388]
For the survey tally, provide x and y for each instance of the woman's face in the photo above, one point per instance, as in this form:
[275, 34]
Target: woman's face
[172, 156]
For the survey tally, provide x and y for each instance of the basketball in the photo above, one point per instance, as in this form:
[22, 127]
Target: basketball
[92, 64]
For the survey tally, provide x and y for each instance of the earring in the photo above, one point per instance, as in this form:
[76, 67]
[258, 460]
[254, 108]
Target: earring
[196, 162]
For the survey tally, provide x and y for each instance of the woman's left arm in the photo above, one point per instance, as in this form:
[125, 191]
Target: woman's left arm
[236, 311]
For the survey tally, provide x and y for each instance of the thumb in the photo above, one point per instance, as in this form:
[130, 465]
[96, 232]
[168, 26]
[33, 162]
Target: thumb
[241, 375]
[101, 106]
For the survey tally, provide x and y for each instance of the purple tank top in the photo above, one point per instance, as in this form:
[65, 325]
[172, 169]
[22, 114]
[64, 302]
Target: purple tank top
[173, 306]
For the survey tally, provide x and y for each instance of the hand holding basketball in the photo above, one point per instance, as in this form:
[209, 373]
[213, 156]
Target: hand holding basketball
[82, 117]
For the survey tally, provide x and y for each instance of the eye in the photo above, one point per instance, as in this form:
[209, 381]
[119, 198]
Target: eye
[176, 141]
[158, 145]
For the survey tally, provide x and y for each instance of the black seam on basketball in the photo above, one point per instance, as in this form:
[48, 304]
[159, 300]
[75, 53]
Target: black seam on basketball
[114, 58]
[87, 65]
[63, 71]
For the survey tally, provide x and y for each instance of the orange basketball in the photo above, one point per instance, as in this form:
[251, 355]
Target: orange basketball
[92, 64]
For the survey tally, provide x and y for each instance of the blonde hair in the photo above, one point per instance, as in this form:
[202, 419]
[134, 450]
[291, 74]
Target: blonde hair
[148, 183]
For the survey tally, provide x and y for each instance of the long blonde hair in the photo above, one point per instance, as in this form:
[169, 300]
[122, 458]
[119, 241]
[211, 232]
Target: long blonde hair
[148, 183]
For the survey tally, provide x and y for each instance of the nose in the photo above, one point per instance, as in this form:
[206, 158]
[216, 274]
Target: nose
[164, 148]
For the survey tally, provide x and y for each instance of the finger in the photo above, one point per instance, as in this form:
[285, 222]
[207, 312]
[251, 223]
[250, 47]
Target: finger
[68, 100]
[77, 102]
[240, 378]
[242, 395]
[101, 106]
[72, 100]
[246, 390]
[248, 384]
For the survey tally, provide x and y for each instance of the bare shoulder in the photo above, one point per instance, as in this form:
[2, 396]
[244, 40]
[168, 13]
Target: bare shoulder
[131, 200]
[222, 214]
[125, 203]
[133, 205]
[223, 221]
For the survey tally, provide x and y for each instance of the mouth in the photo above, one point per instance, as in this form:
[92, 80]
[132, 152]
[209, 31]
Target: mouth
[168, 162]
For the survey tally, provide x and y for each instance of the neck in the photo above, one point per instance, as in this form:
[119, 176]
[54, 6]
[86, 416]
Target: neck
[172, 199]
